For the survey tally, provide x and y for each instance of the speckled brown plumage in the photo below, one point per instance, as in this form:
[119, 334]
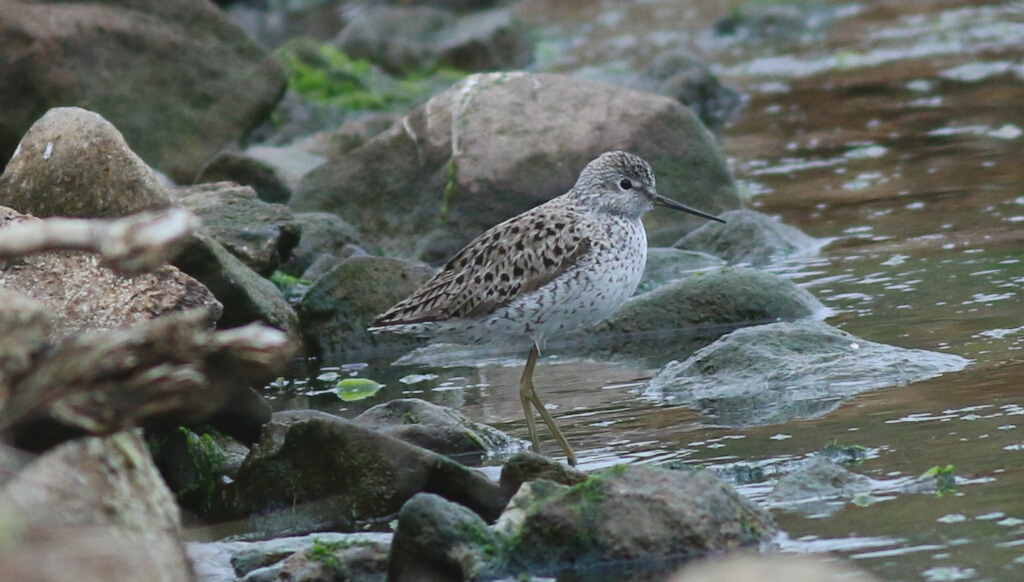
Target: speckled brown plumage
[567, 263]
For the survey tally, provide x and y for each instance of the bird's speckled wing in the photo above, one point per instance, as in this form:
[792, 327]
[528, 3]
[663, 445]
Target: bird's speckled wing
[511, 259]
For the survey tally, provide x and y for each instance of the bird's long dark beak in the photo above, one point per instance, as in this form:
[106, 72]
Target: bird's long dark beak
[660, 200]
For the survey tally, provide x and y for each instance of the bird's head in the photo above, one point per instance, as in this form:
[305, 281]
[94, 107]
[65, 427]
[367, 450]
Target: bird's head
[623, 184]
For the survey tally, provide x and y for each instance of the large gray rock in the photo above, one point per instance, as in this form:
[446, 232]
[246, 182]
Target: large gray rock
[625, 515]
[749, 237]
[403, 40]
[342, 303]
[96, 509]
[81, 294]
[313, 470]
[495, 145]
[73, 162]
[261, 235]
[698, 309]
[437, 428]
[770, 374]
[246, 296]
[323, 233]
[175, 76]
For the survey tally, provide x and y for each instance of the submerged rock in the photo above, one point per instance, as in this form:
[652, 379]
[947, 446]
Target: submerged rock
[780, 372]
[177, 78]
[75, 163]
[519, 139]
[342, 303]
[261, 235]
[819, 487]
[626, 514]
[445, 431]
[750, 237]
[313, 471]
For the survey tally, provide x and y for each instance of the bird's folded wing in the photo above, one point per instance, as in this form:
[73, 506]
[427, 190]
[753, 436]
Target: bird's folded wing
[511, 259]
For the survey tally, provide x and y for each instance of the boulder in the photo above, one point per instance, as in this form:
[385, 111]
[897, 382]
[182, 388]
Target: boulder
[248, 171]
[437, 428]
[440, 540]
[177, 78]
[627, 514]
[343, 560]
[313, 470]
[776, 373]
[246, 296]
[341, 304]
[261, 235]
[495, 145]
[404, 40]
[95, 509]
[750, 237]
[73, 162]
[84, 295]
[322, 233]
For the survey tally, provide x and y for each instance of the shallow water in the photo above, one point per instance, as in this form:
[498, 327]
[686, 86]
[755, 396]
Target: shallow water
[894, 129]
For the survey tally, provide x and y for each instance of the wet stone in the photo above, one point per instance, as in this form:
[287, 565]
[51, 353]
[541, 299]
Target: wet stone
[313, 471]
[628, 514]
[525, 467]
[750, 237]
[247, 171]
[694, 311]
[322, 233]
[686, 79]
[341, 304]
[259, 234]
[445, 431]
[776, 373]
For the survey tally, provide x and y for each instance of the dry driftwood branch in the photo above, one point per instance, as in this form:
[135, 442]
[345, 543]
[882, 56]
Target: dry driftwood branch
[173, 368]
[141, 242]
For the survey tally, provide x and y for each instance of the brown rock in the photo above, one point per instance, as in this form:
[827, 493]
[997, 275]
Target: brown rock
[519, 139]
[98, 510]
[73, 162]
[85, 295]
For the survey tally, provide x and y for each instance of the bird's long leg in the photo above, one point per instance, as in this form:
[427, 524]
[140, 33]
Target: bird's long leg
[530, 362]
[525, 395]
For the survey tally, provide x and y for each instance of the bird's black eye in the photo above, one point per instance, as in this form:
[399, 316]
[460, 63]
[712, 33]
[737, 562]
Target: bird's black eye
[625, 184]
